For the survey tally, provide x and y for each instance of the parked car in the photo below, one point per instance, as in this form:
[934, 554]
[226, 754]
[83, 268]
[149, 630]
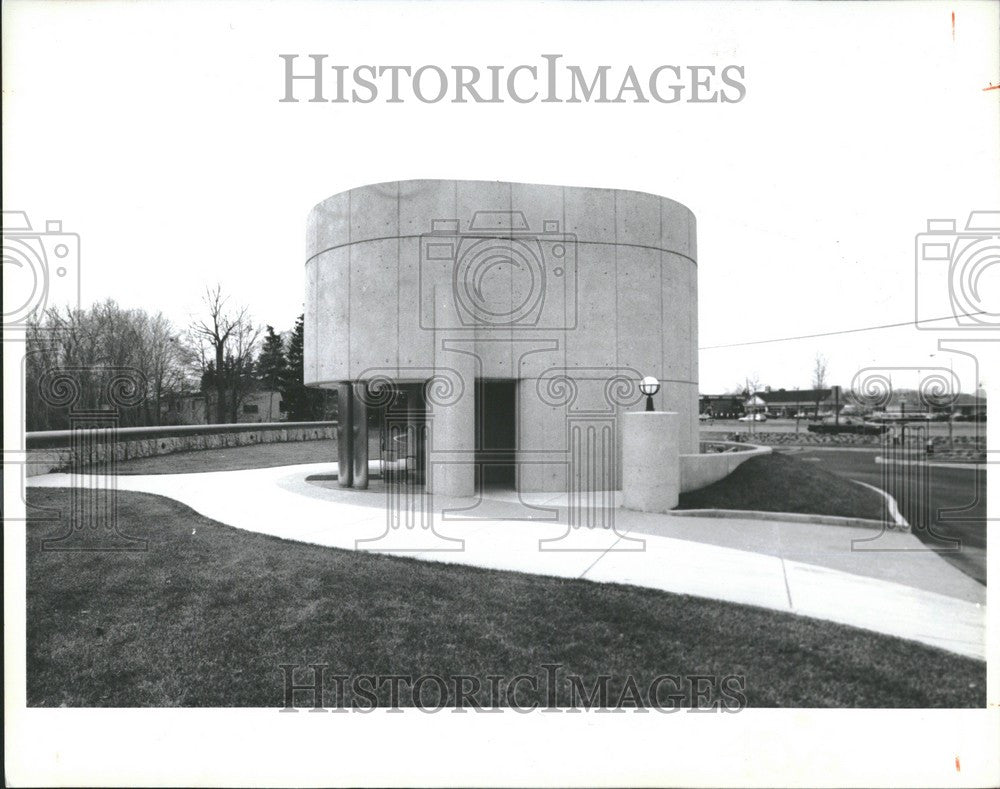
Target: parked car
[753, 418]
[848, 424]
[706, 417]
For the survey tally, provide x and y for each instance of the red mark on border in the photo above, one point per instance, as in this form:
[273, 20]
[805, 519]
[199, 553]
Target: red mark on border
[958, 765]
[952, 25]
[992, 87]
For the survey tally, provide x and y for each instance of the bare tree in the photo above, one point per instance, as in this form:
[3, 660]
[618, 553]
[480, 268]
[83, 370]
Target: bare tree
[93, 344]
[819, 378]
[746, 387]
[227, 339]
[164, 355]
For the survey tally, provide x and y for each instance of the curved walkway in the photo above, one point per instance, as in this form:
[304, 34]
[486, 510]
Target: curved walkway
[881, 580]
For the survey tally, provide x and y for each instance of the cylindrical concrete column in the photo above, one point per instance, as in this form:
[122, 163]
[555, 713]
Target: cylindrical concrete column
[651, 461]
[451, 470]
[345, 437]
[359, 434]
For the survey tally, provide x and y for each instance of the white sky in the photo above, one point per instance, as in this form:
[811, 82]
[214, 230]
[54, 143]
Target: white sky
[154, 131]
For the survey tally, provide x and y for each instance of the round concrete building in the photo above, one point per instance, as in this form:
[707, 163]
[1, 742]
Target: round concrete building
[494, 333]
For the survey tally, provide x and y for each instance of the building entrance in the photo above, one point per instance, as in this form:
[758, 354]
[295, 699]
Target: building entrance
[496, 433]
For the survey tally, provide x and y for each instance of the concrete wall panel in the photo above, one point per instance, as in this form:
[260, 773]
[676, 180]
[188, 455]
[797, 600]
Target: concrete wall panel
[414, 340]
[541, 440]
[374, 289]
[423, 202]
[473, 197]
[311, 322]
[329, 224]
[639, 310]
[637, 218]
[374, 212]
[677, 229]
[333, 315]
[539, 204]
[590, 214]
[594, 341]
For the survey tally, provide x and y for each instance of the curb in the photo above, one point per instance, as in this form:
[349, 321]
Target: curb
[939, 464]
[783, 517]
[801, 517]
[897, 517]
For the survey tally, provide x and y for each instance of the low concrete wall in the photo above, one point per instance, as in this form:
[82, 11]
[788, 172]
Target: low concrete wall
[703, 469]
[51, 450]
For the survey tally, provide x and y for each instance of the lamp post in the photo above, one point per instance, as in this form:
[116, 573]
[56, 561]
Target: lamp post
[649, 386]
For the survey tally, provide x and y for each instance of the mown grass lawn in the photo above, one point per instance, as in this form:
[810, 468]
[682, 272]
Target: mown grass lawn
[278, 453]
[208, 613]
[786, 483]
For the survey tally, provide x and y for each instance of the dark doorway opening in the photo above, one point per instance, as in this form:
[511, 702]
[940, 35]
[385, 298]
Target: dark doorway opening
[496, 433]
[399, 421]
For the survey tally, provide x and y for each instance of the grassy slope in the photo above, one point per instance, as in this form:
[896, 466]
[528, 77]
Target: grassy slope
[286, 453]
[785, 483]
[207, 614]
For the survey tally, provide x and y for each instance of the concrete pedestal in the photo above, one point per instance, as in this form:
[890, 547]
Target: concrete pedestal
[651, 461]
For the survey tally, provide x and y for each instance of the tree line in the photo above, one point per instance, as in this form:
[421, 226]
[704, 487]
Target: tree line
[74, 356]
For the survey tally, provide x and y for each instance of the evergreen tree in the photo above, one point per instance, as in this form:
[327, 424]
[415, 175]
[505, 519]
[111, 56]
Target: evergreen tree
[272, 365]
[302, 403]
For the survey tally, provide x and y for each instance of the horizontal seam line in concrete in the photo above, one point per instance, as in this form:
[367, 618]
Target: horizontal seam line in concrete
[500, 238]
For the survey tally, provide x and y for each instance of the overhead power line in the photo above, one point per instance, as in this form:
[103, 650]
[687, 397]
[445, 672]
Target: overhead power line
[834, 333]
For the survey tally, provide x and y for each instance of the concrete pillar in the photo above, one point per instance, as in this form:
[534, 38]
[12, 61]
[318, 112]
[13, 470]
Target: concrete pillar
[452, 453]
[359, 434]
[651, 461]
[451, 469]
[345, 434]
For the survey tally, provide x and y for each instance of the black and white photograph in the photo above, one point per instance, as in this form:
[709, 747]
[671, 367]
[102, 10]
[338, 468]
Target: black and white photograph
[500, 394]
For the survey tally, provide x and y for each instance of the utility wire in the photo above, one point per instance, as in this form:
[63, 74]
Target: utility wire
[834, 333]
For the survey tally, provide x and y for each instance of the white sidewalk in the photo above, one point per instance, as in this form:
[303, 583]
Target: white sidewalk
[280, 502]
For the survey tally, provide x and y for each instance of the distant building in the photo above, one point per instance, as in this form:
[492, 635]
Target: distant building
[781, 403]
[812, 402]
[194, 409]
[722, 406]
[969, 406]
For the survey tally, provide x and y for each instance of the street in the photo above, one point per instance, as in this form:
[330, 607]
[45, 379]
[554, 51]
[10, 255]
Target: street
[936, 429]
[959, 489]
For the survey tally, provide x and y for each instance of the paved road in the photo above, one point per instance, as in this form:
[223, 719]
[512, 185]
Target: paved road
[950, 488]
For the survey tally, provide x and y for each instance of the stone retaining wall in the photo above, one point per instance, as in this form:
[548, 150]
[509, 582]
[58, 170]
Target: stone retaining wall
[139, 444]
